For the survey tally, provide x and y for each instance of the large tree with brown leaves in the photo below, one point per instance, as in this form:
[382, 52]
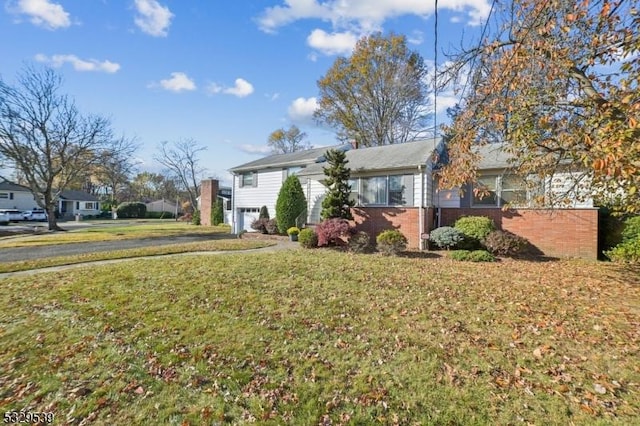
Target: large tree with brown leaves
[558, 83]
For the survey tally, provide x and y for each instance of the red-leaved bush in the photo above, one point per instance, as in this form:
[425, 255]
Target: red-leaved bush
[331, 231]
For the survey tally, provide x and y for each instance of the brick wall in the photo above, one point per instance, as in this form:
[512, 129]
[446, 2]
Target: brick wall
[374, 220]
[208, 195]
[559, 233]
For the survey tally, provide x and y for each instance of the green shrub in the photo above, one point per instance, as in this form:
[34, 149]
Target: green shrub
[475, 228]
[631, 229]
[627, 251]
[294, 230]
[132, 211]
[291, 203]
[360, 242]
[217, 212]
[460, 254]
[481, 256]
[195, 218]
[264, 213]
[391, 242]
[308, 238]
[446, 237]
[472, 256]
[504, 243]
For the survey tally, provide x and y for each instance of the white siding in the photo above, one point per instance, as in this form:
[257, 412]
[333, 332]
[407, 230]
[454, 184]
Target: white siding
[314, 192]
[264, 194]
[568, 190]
[22, 200]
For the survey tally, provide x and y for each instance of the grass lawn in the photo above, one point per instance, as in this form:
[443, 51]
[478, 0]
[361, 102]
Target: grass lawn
[106, 231]
[213, 245]
[321, 337]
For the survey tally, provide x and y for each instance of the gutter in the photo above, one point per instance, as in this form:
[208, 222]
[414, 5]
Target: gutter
[421, 209]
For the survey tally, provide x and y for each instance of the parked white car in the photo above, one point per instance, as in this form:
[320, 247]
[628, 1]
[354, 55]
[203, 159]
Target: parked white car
[35, 214]
[4, 218]
[14, 215]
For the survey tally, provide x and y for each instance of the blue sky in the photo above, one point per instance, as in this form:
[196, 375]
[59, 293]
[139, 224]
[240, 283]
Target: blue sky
[225, 73]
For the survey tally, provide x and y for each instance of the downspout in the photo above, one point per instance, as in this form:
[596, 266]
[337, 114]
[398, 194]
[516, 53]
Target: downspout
[421, 209]
[233, 205]
[308, 220]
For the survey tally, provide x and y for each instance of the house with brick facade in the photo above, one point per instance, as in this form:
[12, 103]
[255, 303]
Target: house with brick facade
[396, 186]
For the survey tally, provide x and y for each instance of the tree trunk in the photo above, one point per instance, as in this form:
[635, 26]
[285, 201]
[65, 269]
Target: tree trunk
[52, 221]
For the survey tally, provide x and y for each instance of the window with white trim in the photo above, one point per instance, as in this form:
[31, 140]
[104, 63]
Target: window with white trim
[499, 190]
[91, 206]
[393, 190]
[354, 190]
[249, 179]
[4, 195]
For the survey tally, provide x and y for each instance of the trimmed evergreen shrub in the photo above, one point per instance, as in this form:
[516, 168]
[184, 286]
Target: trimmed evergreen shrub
[217, 212]
[627, 251]
[331, 231]
[472, 256]
[504, 243]
[291, 203]
[475, 228]
[360, 242]
[195, 218]
[308, 238]
[446, 237]
[264, 212]
[132, 211]
[337, 203]
[391, 242]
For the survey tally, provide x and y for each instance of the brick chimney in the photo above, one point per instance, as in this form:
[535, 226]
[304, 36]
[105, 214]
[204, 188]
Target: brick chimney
[208, 196]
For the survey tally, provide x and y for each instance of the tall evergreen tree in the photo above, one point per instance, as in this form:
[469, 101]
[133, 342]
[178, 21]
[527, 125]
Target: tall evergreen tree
[337, 203]
[291, 203]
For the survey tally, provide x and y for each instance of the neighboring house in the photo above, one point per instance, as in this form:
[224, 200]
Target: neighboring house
[14, 196]
[164, 206]
[395, 186]
[224, 195]
[72, 203]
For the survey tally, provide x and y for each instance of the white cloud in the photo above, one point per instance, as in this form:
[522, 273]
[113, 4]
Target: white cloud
[42, 13]
[272, 96]
[416, 37]
[79, 64]
[301, 110]
[153, 18]
[179, 82]
[332, 44]
[362, 14]
[255, 149]
[241, 89]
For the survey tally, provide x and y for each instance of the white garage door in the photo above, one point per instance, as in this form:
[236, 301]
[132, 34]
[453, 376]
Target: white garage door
[246, 216]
